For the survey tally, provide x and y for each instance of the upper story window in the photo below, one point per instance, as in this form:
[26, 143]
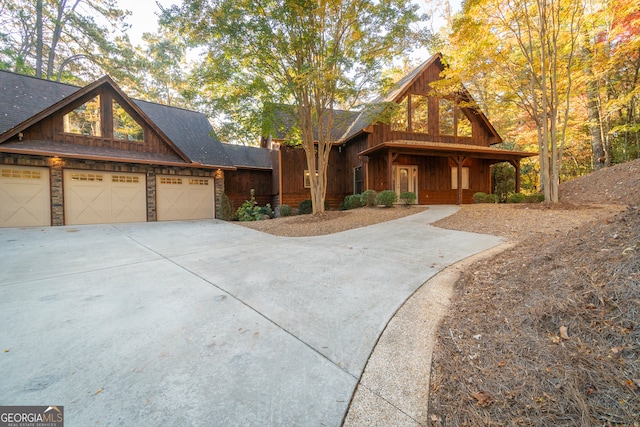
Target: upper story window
[446, 116]
[84, 120]
[124, 127]
[399, 121]
[416, 108]
[419, 114]
[464, 127]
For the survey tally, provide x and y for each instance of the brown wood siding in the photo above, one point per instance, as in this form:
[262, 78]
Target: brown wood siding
[421, 86]
[238, 185]
[51, 129]
[434, 177]
[294, 163]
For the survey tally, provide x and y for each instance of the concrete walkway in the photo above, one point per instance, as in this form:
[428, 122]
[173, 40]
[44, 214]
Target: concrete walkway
[206, 323]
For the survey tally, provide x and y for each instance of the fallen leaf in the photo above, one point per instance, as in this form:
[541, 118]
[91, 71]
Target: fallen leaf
[502, 363]
[6, 350]
[98, 392]
[616, 350]
[483, 398]
[563, 333]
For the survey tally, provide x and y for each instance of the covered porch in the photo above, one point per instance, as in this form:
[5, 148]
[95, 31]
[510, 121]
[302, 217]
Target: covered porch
[437, 172]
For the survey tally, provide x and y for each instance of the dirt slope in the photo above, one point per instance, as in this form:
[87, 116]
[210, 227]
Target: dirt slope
[549, 333]
[616, 184]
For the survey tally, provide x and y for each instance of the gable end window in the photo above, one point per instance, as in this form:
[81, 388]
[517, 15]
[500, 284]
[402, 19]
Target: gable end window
[124, 127]
[84, 120]
[445, 119]
[411, 115]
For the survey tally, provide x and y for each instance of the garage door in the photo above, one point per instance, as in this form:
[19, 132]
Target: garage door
[104, 197]
[24, 196]
[184, 197]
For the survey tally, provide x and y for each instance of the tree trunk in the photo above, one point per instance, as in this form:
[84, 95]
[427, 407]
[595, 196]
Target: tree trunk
[39, 52]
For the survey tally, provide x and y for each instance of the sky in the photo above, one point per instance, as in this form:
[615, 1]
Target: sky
[144, 15]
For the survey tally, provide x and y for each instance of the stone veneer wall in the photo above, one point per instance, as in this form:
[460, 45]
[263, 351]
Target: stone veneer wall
[56, 166]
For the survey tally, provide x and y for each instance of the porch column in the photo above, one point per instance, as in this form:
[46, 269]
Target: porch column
[516, 165]
[459, 160]
[389, 169]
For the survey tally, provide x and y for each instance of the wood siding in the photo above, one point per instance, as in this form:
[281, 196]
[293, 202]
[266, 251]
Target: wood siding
[239, 183]
[294, 163]
[52, 129]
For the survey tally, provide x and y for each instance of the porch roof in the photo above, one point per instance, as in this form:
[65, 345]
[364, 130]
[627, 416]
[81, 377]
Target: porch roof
[441, 149]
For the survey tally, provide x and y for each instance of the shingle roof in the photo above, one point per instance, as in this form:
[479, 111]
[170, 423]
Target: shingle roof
[24, 96]
[190, 131]
[284, 120]
[248, 157]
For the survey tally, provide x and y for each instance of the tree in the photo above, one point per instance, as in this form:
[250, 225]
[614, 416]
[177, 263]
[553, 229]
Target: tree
[313, 54]
[530, 46]
[44, 37]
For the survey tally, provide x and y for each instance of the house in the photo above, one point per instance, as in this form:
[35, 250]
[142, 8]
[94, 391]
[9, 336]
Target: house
[438, 148]
[71, 155]
[86, 155]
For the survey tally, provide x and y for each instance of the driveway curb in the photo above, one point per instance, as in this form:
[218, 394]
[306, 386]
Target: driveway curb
[394, 387]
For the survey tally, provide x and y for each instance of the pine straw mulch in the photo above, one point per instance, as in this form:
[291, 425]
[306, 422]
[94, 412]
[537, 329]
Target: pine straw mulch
[545, 334]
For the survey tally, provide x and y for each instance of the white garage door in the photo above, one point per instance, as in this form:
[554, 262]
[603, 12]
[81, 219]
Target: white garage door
[24, 196]
[93, 197]
[184, 197]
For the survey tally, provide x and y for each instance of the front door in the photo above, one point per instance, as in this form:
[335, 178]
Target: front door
[405, 179]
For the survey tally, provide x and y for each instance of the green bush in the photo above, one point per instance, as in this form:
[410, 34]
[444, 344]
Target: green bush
[285, 210]
[250, 211]
[386, 198]
[408, 198]
[352, 201]
[516, 198]
[481, 197]
[368, 198]
[226, 210]
[305, 207]
[535, 198]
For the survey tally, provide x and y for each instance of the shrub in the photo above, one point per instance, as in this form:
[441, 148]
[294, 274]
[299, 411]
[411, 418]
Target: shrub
[285, 210]
[250, 211]
[352, 201]
[226, 210]
[481, 197]
[408, 198]
[305, 207]
[386, 198]
[535, 198]
[516, 198]
[368, 198]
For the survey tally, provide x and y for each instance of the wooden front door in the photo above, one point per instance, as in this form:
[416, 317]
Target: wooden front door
[405, 179]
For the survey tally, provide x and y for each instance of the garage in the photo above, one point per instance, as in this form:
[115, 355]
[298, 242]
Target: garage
[184, 197]
[24, 196]
[95, 197]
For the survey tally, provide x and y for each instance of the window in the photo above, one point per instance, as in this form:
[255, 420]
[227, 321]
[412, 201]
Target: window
[446, 116]
[399, 120]
[454, 178]
[124, 127]
[24, 174]
[198, 181]
[357, 180]
[167, 180]
[86, 177]
[125, 178]
[464, 125]
[307, 178]
[419, 114]
[84, 120]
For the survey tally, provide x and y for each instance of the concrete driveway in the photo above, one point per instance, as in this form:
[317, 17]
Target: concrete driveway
[206, 323]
